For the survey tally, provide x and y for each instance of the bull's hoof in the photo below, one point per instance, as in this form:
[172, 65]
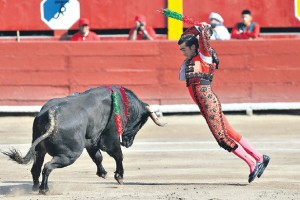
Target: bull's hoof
[44, 191]
[119, 178]
[35, 186]
[102, 174]
[120, 181]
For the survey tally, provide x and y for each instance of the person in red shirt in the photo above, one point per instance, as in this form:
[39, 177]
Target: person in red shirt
[198, 72]
[141, 31]
[84, 33]
[246, 29]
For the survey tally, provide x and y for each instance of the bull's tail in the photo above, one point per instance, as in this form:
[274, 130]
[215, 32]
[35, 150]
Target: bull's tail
[15, 154]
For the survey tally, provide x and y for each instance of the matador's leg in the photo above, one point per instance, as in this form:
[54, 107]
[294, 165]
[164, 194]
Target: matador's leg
[211, 110]
[230, 131]
[242, 141]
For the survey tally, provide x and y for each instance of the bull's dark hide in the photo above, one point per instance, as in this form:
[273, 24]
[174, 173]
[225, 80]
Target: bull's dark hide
[65, 126]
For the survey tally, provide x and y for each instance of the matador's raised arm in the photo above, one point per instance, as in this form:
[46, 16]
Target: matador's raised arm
[204, 38]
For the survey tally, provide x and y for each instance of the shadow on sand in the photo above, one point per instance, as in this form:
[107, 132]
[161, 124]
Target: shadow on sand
[17, 188]
[187, 184]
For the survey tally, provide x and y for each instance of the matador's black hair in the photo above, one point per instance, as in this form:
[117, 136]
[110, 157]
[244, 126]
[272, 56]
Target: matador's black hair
[189, 40]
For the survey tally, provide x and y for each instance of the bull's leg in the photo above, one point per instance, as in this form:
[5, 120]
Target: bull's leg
[56, 162]
[36, 169]
[118, 156]
[97, 157]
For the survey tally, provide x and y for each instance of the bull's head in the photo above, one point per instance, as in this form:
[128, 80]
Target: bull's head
[135, 123]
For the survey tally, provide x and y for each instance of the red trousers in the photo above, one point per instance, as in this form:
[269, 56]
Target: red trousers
[211, 110]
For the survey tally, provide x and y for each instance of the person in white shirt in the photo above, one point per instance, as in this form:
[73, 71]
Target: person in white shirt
[220, 32]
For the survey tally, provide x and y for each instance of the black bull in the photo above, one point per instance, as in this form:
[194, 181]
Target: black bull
[65, 126]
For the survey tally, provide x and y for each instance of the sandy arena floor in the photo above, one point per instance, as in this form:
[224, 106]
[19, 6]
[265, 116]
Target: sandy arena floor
[180, 161]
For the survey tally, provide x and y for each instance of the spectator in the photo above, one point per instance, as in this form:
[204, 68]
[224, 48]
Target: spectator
[141, 31]
[246, 29]
[220, 32]
[84, 33]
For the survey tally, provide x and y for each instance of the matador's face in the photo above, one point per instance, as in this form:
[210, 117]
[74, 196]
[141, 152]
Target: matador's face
[186, 51]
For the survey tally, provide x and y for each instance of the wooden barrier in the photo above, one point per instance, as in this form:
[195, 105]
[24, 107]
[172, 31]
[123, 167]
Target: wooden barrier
[250, 71]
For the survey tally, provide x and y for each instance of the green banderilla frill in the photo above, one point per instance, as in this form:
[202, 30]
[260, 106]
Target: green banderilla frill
[115, 100]
[116, 108]
[172, 14]
[175, 15]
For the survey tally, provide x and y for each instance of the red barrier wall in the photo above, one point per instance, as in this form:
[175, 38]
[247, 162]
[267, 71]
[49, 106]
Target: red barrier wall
[250, 71]
[116, 14]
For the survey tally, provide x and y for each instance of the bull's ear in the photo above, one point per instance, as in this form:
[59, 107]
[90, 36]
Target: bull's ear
[154, 117]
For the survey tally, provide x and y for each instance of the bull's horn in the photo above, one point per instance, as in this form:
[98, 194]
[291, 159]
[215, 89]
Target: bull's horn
[154, 117]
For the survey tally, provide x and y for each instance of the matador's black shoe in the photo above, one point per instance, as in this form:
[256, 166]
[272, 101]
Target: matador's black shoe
[255, 172]
[266, 160]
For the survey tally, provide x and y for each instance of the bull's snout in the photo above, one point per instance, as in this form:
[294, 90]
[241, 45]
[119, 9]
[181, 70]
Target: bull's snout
[127, 142]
